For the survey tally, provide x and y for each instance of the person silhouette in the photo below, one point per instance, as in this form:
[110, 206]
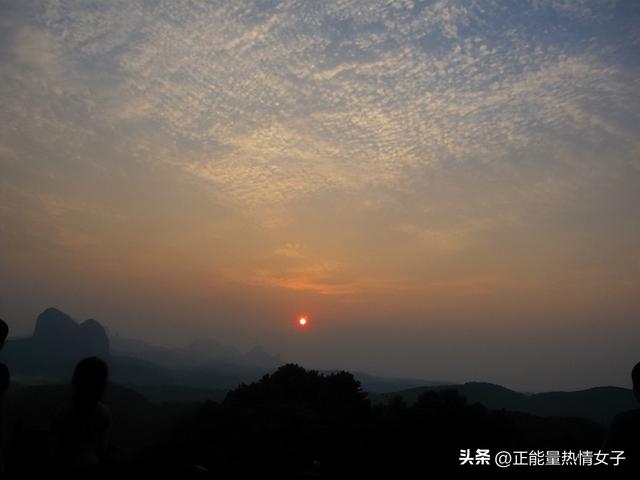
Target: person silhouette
[79, 433]
[624, 432]
[5, 380]
[4, 331]
[4, 371]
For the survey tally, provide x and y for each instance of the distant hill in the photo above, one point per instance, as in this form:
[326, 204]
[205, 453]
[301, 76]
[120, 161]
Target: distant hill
[57, 343]
[599, 404]
[134, 371]
[200, 353]
[56, 333]
[374, 383]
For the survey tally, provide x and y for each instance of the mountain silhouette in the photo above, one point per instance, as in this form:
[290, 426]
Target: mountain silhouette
[58, 334]
[57, 343]
[600, 404]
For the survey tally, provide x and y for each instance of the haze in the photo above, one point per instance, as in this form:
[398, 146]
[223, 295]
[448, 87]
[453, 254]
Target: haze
[450, 190]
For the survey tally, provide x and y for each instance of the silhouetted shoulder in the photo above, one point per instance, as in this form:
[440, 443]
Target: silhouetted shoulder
[79, 438]
[5, 378]
[624, 430]
[98, 420]
[101, 416]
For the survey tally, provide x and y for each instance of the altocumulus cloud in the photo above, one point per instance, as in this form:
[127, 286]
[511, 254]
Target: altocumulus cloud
[272, 101]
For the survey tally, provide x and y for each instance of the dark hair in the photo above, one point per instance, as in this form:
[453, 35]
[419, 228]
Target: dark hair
[90, 372]
[635, 376]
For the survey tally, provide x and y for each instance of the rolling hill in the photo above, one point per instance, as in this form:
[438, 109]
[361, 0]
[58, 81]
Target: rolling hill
[600, 403]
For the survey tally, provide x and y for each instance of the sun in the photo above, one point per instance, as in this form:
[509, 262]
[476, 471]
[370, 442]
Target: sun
[302, 321]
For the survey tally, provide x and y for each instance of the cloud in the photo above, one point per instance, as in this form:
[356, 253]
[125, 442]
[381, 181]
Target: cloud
[283, 106]
[276, 103]
[290, 250]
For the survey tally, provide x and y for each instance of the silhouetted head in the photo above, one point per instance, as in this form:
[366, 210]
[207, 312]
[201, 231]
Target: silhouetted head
[635, 378]
[89, 381]
[4, 331]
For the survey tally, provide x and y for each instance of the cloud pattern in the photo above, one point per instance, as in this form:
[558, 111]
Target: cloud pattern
[272, 101]
[409, 130]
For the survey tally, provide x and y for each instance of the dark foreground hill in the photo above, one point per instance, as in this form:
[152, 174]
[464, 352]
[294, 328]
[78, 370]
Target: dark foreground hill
[600, 404]
[296, 423]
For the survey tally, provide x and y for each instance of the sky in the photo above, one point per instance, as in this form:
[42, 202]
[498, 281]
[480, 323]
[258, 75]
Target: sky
[450, 190]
